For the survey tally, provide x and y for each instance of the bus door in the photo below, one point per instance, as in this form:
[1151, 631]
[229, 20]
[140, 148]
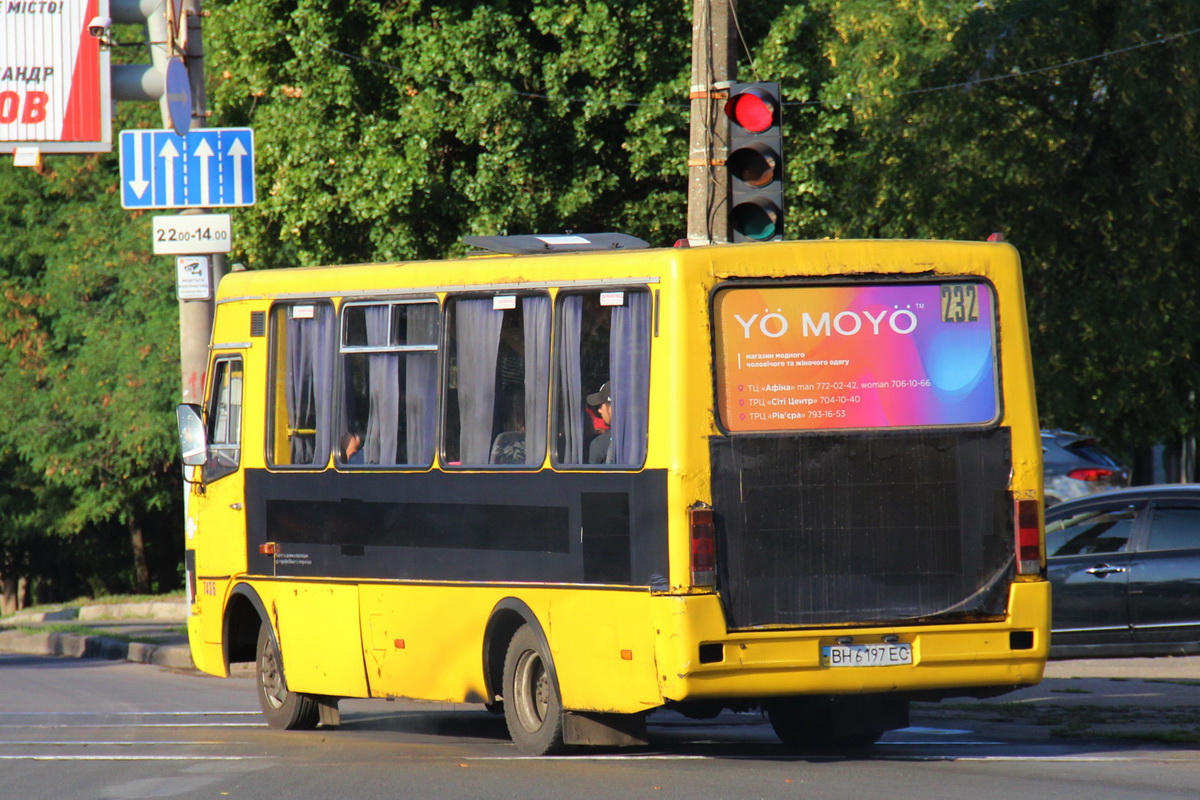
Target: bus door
[219, 544]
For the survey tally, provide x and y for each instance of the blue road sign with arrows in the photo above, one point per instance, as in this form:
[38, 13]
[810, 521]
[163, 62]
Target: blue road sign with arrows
[206, 168]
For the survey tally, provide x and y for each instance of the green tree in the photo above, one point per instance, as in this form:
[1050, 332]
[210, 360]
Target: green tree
[388, 131]
[1069, 127]
[90, 368]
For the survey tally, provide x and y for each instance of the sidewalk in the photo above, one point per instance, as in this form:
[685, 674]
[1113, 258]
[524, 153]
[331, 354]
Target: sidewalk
[158, 628]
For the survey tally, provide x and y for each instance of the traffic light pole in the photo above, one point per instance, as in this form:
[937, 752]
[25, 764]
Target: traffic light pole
[147, 82]
[714, 67]
[196, 316]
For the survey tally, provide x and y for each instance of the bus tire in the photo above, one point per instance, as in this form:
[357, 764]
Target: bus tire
[532, 705]
[282, 708]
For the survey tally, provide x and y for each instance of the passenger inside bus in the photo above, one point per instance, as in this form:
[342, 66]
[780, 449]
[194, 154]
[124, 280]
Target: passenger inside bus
[509, 445]
[600, 448]
[352, 448]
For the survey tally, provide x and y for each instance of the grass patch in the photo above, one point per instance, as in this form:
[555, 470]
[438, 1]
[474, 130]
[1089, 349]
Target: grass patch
[1174, 681]
[108, 600]
[81, 630]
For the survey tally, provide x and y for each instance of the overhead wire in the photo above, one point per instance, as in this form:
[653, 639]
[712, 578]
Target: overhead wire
[1015, 74]
[741, 38]
[1007, 76]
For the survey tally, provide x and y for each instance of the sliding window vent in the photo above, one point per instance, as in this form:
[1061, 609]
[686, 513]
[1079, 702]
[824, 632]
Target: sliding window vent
[258, 323]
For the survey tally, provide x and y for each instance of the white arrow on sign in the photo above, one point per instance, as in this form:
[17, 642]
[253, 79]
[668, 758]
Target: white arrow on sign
[204, 152]
[238, 151]
[168, 153]
[139, 182]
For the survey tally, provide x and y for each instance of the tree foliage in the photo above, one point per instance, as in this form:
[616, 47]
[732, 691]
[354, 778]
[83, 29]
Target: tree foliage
[88, 374]
[1067, 127]
[392, 130]
[389, 130]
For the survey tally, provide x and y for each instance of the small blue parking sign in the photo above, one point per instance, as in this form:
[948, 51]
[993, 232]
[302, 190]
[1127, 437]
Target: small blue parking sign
[206, 168]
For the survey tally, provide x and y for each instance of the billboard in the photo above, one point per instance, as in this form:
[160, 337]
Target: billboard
[862, 356]
[55, 92]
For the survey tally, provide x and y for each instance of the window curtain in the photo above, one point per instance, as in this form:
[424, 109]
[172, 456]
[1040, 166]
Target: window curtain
[477, 337]
[420, 382]
[309, 384]
[570, 391]
[629, 381]
[536, 311]
[383, 381]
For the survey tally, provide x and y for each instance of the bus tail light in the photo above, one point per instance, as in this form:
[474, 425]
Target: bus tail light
[1029, 546]
[704, 546]
[1090, 474]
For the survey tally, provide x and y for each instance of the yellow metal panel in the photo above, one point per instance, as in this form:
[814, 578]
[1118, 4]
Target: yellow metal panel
[603, 646]
[318, 633]
[765, 663]
[426, 642]
[412, 652]
[206, 656]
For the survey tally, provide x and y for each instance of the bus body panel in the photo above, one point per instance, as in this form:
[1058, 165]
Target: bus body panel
[955, 658]
[316, 626]
[603, 652]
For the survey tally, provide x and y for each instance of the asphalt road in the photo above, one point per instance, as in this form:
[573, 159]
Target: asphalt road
[85, 729]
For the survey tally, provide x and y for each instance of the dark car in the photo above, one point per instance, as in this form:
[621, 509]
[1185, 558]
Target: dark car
[1125, 572]
[1075, 465]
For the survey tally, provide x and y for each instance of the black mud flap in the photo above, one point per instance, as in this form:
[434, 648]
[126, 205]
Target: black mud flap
[607, 730]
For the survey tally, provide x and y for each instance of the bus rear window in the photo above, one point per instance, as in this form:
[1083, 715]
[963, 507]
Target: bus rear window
[864, 356]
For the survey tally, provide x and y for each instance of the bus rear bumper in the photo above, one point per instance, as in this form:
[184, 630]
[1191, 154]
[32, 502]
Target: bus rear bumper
[703, 661]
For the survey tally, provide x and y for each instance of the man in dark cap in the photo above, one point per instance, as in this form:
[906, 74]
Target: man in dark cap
[601, 447]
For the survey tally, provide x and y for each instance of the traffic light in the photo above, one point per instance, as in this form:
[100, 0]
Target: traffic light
[755, 162]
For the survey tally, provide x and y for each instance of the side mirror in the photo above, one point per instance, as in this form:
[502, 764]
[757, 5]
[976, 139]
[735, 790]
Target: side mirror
[191, 435]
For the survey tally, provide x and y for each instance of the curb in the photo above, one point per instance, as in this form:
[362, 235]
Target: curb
[74, 645]
[78, 645]
[156, 610]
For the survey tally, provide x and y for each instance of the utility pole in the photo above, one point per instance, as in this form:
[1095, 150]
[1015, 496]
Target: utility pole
[714, 67]
[196, 316]
[147, 82]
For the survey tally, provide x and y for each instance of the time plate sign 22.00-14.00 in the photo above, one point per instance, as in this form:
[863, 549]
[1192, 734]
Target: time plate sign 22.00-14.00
[192, 234]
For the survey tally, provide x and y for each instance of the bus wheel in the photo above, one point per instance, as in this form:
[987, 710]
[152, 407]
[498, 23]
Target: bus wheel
[283, 709]
[532, 706]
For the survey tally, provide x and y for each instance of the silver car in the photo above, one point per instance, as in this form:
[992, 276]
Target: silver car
[1076, 465]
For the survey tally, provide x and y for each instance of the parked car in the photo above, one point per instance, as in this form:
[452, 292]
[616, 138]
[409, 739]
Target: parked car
[1124, 567]
[1075, 465]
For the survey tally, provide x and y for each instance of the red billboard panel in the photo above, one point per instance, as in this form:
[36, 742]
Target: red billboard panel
[54, 77]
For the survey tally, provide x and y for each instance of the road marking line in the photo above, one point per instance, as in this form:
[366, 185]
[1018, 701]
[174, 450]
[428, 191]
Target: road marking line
[90, 743]
[136, 725]
[132, 758]
[1164, 758]
[129, 713]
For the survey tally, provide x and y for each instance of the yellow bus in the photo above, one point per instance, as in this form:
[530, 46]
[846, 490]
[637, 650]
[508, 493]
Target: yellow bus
[581, 480]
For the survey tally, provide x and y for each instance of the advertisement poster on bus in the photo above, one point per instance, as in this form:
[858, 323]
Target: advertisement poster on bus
[55, 85]
[862, 356]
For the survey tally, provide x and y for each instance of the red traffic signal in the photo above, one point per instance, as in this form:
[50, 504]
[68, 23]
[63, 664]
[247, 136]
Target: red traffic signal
[754, 109]
[755, 161]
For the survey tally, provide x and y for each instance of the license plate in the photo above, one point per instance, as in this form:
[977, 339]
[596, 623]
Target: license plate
[865, 655]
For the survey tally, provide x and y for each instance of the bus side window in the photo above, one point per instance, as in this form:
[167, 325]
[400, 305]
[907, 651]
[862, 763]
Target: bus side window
[302, 389]
[497, 380]
[603, 342]
[225, 420]
[389, 372]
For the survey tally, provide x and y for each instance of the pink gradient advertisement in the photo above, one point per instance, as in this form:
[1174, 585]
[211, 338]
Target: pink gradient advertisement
[821, 357]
